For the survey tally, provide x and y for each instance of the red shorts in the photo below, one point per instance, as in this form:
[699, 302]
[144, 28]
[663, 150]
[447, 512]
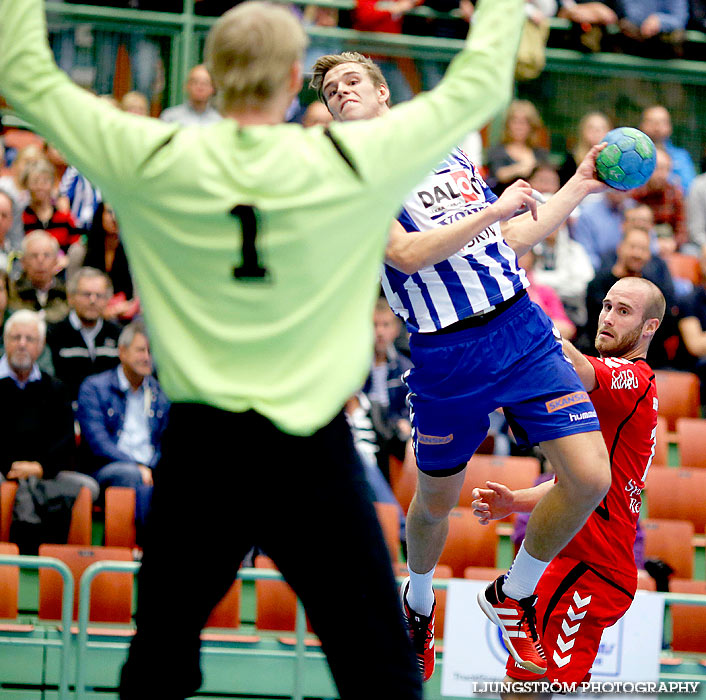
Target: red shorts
[574, 606]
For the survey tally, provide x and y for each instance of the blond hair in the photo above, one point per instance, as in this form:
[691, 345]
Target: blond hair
[524, 108]
[324, 64]
[250, 52]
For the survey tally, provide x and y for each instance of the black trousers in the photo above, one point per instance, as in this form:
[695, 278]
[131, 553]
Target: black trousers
[228, 481]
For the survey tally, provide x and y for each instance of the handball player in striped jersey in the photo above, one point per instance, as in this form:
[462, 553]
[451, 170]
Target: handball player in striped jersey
[255, 246]
[478, 343]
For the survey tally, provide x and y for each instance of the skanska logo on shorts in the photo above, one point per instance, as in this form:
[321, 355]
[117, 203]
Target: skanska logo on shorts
[582, 416]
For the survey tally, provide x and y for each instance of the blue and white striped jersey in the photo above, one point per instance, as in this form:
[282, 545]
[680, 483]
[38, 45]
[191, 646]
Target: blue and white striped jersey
[483, 273]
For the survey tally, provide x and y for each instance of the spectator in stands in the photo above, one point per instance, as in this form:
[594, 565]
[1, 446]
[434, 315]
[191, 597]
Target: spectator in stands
[317, 113]
[38, 288]
[385, 389]
[7, 214]
[696, 215]
[12, 184]
[81, 198]
[104, 251]
[692, 327]
[122, 414]
[633, 256]
[84, 343]
[598, 228]
[519, 151]
[135, 103]
[697, 15]
[36, 423]
[656, 122]
[559, 262]
[386, 17]
[589, 19]
[665, 199]
[41, 212]
[197, 110]
[591, 130]
[653, 28]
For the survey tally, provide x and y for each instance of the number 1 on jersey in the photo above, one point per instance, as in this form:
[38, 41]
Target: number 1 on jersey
[250, 268]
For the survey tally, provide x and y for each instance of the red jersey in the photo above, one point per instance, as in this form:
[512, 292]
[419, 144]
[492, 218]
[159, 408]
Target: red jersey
[61, 226]
[626, 404]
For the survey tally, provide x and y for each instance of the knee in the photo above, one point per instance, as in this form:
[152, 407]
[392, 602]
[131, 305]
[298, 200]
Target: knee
[433, 508]
[593, 482]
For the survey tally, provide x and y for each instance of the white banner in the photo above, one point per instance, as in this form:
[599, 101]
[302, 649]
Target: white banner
[474, 652]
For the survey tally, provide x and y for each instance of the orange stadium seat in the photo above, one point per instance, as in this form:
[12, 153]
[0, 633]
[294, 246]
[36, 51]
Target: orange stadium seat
[119, 516]
[276, 602]
[691, 438]
[684, 266]
[389, 518]
[227, 612]
[403, 478]
[679, 395]
[9, 584]
[81, 514]
[670, 541]
[688, 621]
[111, 592]
[482, 573]
[469, 543]
[677, 494]
[514, 472]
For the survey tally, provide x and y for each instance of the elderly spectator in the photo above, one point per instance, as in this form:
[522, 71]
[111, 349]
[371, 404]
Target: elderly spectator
[37, 424]
[122, 414]
[197, 110]
[41, 212]
[656, 122]
[665, 199]
[38, 288]
[84, 343]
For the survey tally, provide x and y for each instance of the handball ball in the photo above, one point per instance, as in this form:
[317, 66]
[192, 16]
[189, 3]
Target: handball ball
[628, 160]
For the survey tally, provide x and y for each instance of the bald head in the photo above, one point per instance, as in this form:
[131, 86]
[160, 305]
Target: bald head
[632, 312]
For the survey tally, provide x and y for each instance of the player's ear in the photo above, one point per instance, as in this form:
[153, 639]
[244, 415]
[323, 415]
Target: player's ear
[650, 327]
[296, 77]
[383, 93]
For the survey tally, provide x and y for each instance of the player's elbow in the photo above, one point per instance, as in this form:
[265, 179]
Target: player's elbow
[404, 260]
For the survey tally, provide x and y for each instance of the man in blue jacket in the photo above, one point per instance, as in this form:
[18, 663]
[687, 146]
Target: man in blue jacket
[123, 413]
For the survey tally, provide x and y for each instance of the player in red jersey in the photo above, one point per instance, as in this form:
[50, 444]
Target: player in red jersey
[591, 583]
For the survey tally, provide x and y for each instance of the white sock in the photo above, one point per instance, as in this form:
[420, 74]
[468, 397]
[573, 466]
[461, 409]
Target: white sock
[420, 595]
[524, 575]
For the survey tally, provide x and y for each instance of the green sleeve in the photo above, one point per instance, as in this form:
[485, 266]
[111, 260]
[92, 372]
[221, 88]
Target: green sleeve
[93, 135]
[477, 84]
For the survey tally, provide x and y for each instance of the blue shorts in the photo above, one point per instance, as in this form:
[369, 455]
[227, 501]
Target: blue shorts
[515, 361]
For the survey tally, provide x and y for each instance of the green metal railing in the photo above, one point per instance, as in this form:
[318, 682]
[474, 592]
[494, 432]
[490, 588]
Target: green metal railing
[83, 644]
[67, 609]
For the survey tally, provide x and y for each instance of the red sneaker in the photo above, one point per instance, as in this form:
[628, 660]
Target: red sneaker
[421, 632]
[517, 620]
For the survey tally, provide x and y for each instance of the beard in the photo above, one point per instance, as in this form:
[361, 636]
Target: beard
[618, 346]
[21, 361]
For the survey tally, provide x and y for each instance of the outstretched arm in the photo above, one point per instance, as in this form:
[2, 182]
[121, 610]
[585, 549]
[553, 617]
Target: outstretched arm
[411, 251]
[585, 370]
[523, 232]
[497, 500]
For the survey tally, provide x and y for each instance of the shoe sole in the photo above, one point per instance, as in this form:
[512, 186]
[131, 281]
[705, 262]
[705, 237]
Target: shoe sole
[490, 613]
